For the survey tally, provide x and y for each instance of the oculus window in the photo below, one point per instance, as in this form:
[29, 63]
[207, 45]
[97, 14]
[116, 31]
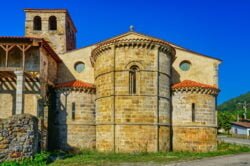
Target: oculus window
[79, 67]
[185, 65]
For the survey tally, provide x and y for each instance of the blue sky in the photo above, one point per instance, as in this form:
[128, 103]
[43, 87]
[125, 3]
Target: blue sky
[219, 28]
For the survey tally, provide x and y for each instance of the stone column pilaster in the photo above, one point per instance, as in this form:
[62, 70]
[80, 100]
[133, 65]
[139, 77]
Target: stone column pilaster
[19, 91]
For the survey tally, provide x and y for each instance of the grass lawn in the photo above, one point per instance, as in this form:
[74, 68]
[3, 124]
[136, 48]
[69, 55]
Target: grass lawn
[98, 158]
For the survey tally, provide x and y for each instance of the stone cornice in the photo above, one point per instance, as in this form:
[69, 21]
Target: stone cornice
[195, 87]
[134, 43]
[198, 90]
[76, 89]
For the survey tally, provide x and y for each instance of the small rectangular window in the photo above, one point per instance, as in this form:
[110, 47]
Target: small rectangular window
[73, 111]
[236, 131]
[193, 112]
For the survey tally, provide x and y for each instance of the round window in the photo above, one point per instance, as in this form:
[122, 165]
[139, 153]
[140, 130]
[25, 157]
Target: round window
[185, 65]
[79, 67]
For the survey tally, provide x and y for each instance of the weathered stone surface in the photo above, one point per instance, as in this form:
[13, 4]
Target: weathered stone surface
[62, 39]
[74, 125]
[203, 69]
[194, 130]
[128, 122]
[18, 137]
[204, 113]
[111, 119]
[194, 139]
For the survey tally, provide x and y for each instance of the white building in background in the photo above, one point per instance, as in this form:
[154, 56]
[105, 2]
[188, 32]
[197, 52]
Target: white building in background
[241, 128]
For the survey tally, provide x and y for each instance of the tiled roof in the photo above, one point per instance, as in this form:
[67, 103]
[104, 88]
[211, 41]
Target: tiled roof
[135, 41]
[17, 37]
[49, 9]
[47, 47]
[119, 38]
[45, 44]
[189, 84]
[75, 84]
[243, 124]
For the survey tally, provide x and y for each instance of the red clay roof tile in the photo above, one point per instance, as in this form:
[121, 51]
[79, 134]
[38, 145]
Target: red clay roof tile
[189, 83]
[75, 84]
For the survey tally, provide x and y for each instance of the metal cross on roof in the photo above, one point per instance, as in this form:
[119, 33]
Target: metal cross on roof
[131, 28]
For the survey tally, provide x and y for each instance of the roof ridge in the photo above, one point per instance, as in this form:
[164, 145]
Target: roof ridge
[191, 83]
[244, 124]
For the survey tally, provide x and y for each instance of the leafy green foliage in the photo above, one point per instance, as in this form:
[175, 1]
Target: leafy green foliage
[233, 104]
[225, 119]
[230, 110]
[40, 159]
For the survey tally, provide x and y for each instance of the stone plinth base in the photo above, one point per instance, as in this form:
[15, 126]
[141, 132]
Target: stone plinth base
[194, 139]
[133, 138]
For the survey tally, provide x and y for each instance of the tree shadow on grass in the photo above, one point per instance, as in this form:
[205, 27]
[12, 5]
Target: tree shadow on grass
[61, 155]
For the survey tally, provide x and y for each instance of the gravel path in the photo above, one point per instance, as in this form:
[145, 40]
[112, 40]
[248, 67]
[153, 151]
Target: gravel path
[234, 160]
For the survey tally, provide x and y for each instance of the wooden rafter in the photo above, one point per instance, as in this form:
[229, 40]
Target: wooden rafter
[23, 48]
[8, 47]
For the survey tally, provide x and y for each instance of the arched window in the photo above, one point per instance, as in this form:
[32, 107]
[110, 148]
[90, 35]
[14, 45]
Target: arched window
[132, 79]
[52, 23]
[37, 23]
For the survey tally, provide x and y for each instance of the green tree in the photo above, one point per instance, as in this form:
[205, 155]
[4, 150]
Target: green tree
[233, 105]
[224, 120]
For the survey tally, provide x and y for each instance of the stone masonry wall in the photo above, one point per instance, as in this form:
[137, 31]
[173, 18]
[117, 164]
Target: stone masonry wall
[56, 38]
[74, 120]
[18, 137]
[197, 71]
[7, 104]
[132, 122]
[66, 70]
[195, 139]
[8, 98]
[198, 133]
[205, 113]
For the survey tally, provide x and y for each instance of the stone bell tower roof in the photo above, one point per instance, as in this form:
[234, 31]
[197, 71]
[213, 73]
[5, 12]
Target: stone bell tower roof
[40, 10]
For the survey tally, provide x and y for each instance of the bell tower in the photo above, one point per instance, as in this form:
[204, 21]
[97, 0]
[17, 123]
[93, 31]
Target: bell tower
[54, 25]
